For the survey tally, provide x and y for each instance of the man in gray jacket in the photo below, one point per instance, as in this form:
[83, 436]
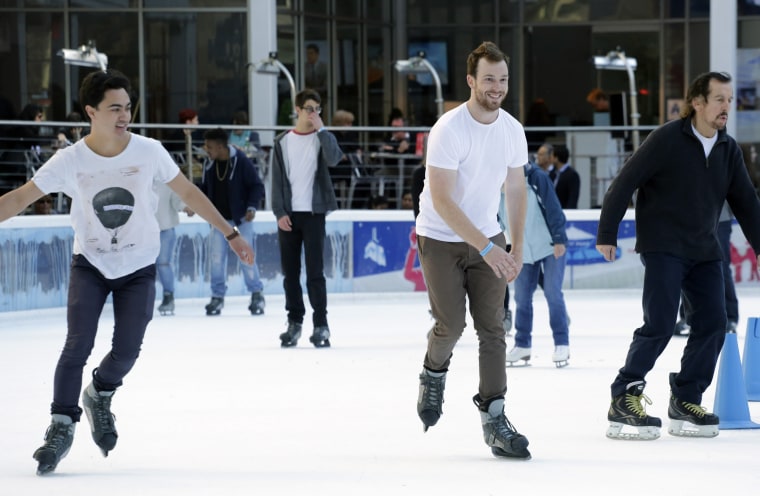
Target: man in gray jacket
[302, 195]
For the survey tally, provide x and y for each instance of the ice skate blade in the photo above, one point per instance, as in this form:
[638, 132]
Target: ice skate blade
[321, 344]
[684, 428]
[561, 363]
[515, 363]
[522, 455]
[46, 462]
[165, 313]
[643, 433]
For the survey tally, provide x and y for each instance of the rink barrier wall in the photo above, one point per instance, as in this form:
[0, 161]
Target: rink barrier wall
[365, 251]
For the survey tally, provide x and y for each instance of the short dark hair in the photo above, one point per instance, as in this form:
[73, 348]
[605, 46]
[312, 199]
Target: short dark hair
[487, 50]
[701, 87]
[307, 94]
[217, 134]
[95, 85]
[562, 153]
[313, 46]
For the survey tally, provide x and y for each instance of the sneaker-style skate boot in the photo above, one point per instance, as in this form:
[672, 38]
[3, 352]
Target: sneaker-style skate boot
[498, 431]
[290, 336]
[167, 304]
[58, 439]
[215, 306]
[681, 328]
[507, 322]
[691, 420]
[97, 407]
[516, 354]
[320, 338]
[626, 410]
[430, 399]
[257, 303]
[561, 355]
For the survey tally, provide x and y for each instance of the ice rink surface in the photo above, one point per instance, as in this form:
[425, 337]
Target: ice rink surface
[214, 406]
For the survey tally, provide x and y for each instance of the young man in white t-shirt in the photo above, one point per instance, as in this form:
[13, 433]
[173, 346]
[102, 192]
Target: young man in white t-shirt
[109, 177]
[302, 195]
[472, 151]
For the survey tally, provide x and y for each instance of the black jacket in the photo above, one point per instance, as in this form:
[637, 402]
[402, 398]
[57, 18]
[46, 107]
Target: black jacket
[681, 193]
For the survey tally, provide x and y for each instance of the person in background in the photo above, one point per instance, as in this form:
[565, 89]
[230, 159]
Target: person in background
[682, 174]
[407, 203]
[243, 139]
[473, 150]
[109, 175]
[543, 252]
[302, 196]
[44, 206]
[233, 185]
[67, 136]
[567, 181]
[544, 157]
[169, 204]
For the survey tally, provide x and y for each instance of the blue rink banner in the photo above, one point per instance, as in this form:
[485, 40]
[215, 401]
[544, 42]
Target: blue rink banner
[365, 251]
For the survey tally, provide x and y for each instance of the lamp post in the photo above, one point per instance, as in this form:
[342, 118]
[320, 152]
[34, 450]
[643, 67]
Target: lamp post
[420, 65]
[271, 65]
[616, 60]
[84, 56]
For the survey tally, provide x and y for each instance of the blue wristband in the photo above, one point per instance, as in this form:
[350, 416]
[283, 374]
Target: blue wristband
[486, 249]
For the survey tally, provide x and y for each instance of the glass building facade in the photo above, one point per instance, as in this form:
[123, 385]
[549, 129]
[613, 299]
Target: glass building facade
[195, 53]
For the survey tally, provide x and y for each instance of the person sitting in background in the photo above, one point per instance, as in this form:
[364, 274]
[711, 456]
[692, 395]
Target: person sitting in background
[244, 139]
[44, 206]
[378, 202]
[348, 141]
[70, 135]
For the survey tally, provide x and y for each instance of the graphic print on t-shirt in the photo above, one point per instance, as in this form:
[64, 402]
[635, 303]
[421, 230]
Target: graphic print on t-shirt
[113, 207]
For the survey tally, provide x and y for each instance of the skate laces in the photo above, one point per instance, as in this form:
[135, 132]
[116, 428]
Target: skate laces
[634, 404]
[504, 428]
[102, 413]
[697, 410]
[433, 392]
[55, 436]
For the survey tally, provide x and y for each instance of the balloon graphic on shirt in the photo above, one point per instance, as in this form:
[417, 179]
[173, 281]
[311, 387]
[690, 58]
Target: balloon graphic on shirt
[113, 206]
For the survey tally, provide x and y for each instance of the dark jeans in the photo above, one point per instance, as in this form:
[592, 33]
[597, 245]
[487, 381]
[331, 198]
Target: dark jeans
[133, 298]
[666, 277]
[308, 235]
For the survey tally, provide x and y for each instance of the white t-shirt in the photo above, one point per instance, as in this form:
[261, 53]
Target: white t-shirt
[301, 166]
[481, 154]
[113, 204]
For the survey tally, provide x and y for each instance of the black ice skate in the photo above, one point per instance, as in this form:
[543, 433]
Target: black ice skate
[215, 306]
[320, 338]
[167, 304]
[626, 410]
[430, 399]
[290, 336]
[58, 439]
[97, 406]
[507, 322]
[689, 419]
[257, 303]
[498, 431]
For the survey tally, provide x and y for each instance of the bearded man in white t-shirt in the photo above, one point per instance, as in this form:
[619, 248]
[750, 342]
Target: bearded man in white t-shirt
[473, 150]
[109, 177]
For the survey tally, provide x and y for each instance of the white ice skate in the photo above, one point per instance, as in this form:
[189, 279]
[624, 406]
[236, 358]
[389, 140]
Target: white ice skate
[561, 355]
[516, 354]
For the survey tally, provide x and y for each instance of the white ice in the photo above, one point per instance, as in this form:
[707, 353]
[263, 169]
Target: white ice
[214, 406]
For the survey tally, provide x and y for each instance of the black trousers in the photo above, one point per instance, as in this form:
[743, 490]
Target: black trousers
[307, 238]
[666, 277]
[133, 298]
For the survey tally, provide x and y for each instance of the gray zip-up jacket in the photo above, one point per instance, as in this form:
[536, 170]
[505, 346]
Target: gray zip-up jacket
[323, 198]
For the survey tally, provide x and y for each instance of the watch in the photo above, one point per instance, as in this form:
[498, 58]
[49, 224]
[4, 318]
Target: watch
[235, 233]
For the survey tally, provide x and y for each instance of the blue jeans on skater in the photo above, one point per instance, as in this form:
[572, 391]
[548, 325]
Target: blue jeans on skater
[166, 258]
[525, 286]
[219, 249]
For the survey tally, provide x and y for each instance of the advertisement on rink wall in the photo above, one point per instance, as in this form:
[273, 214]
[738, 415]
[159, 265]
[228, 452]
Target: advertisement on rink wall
[365, 251]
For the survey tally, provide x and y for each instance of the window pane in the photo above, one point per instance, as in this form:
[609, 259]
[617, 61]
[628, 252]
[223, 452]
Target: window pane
[196, 61]
[186, 3]
[450, 12]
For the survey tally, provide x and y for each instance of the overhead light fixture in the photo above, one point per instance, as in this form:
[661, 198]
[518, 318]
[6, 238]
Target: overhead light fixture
[420, 65]
[271, 65]
[616, 60]
[85, 56]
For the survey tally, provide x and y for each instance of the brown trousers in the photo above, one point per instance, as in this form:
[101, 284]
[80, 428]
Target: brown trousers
[455, 273]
